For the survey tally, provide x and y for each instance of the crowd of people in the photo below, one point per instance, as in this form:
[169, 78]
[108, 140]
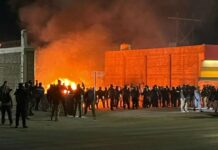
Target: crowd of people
[58, 97]
[133, 97]
[27, 98]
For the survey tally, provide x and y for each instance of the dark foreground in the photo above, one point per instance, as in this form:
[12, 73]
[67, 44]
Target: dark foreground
[134, 129]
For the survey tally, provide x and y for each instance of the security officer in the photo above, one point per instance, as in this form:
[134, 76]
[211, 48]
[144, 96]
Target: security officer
[21, 99]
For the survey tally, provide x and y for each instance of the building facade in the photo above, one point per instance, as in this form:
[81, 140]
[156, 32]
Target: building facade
[16, 61]
[162, 66]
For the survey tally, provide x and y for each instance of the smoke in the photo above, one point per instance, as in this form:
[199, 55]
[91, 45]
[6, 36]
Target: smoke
[73, 35]
[74, 56]
[129, 21]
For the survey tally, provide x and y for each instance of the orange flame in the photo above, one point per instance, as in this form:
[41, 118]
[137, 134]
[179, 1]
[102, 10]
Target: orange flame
[65, 82]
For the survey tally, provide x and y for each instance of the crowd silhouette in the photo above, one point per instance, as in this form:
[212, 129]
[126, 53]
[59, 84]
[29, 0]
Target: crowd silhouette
[60, 98]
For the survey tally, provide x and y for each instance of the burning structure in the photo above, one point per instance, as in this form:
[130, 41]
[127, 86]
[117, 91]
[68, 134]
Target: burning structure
[163, 66]
[16, 61]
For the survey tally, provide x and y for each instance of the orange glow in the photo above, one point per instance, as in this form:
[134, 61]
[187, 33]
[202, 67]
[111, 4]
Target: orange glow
[74, 56]
[161, 66]
[65, 92]
[65, 82]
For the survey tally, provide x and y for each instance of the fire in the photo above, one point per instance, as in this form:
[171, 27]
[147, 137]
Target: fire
[65, 92]
[66, 82]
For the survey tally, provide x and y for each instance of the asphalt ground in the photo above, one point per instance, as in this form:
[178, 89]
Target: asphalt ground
[146, 129]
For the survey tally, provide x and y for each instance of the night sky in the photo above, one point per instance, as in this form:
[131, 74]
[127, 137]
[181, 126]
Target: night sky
[9, 23]
[205, 32]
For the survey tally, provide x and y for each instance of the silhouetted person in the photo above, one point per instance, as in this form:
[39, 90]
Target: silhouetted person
[135, 98]
[205, 95]
[56, 96]
[21, 99]
[111, 93]
[68, 100]
[100, 96]
[49, 94]
[126, 97]
[78, 100]
[216, 101]
[146, 97]
[178, 96]
[6, 101]
[117, 96]
[165, 97]
[39, 95]
[28, 92]
[154, 96]
[90, 101]
[32, 94]
[197, 99]
[63, 88]
[106, 97]
[174, 98]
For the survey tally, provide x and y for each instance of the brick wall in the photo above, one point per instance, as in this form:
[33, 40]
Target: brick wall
[161, 66]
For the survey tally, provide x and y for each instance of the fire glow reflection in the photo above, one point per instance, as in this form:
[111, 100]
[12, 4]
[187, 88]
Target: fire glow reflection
[65, 82]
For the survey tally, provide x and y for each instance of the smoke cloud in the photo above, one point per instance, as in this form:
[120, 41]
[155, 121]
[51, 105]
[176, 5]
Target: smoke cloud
[73, 35]
[124, 20]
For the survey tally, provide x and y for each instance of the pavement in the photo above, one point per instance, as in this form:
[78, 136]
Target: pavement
[146, 129]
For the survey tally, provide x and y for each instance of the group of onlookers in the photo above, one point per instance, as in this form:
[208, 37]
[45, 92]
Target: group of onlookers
[183, 96]
[27, 96]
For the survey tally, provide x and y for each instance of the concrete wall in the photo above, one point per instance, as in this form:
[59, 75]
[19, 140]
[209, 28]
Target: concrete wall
[17, 63]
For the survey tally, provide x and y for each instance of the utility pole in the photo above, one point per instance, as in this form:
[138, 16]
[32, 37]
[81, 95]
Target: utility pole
[96, 74]
[178, 20]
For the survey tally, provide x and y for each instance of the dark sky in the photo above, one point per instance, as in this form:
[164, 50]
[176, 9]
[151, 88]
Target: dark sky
[197, 33]
[9, 23]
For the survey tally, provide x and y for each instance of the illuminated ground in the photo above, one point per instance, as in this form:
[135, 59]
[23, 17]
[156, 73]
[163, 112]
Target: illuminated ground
[141, 129]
